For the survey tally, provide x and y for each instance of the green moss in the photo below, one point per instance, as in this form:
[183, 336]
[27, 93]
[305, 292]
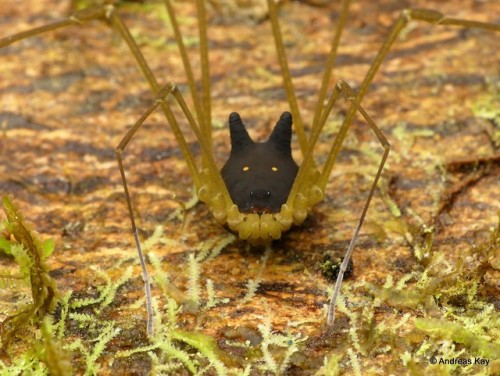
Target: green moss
[30, 253]
[331, 366]
[52, 354]
[277, 348]
[443, 329]
[94, 350]
[169, 345]
[459, 323]
[107, 291]
[49, 348]
[46, 357]
[206, 345]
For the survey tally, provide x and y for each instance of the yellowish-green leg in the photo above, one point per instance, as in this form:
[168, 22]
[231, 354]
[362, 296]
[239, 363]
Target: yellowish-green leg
[108, 13]
[429, 16]
[350, 95]
[161, 100]
[342, 88]
[202, 119]
[327, 73]
[287, 79]
[76, 18]
[119, 151]
[332, 57]
[206, 124]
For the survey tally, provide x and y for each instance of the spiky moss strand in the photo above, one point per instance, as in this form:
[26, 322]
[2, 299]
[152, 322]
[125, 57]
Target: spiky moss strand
[43, 288]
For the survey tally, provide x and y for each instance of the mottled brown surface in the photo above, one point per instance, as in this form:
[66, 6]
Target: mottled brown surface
[67, 98]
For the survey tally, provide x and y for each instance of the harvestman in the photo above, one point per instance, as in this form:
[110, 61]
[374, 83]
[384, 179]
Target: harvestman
[260, 212]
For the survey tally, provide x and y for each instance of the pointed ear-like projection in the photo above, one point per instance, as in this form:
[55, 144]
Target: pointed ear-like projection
[282, 133]
[240, 138]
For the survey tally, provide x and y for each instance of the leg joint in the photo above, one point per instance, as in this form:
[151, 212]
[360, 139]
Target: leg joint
[170, 88]
[346, 90]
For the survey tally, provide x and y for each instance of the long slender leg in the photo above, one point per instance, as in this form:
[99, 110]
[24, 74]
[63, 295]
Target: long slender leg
[287, 78]
[98, 12]
[407, 15]
[342, 88]
[105, 13]
[429, 16]
[208, 161]
[206, 124]
[108, 13]
[204, 143]
[203, 119]
[332, 57]
[327, 73]
[155, 87]
[161, 100]
[351, 97]
[119, 151]
[306, 144]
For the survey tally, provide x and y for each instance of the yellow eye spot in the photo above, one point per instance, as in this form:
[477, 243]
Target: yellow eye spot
[246, 168]
[274, 168]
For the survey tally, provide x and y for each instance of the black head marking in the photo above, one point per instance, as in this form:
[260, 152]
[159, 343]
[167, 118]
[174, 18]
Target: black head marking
[259, 175]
